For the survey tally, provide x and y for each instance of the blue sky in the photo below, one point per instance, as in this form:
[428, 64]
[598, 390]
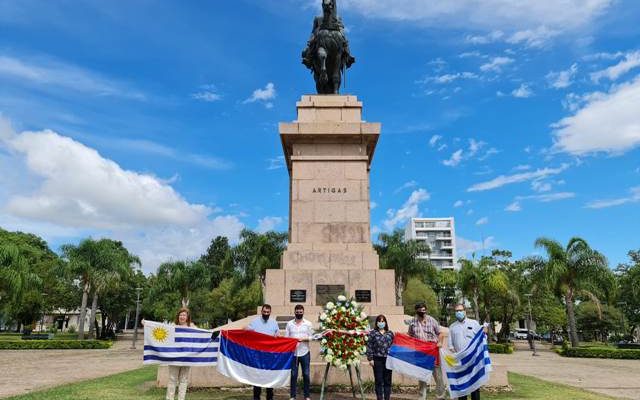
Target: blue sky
[155, 122]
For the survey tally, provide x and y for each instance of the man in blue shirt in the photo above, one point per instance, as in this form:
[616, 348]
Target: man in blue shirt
[264, 324]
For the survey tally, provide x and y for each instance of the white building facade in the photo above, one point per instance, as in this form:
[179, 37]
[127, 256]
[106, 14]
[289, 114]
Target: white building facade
[440, 235]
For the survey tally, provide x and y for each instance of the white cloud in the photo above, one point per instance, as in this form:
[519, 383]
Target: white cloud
[458, 203]
[537, 37]
[448, 78]
[406, 185]
[485, 39]
[522, 167]
[208, 93]
[467, 248]
[52, 74]
[603, 56]
[264, 95]
[442, 147]
[410, 209]
[276, 163]
[474, 146]
[482, 221]
[522, 92]
[607, 123]
[267, 224]
[631, 61]
[549, 197]
[540, 186]
[434, 140]
[562, 79]
[503, 180]
[373, 205]
[489, 15]
[72, 191]
[454, 160]
[634, 197]
[496, 64]
[513, 207]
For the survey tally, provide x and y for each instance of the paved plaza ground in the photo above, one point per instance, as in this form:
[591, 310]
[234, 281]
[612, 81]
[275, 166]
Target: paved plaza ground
[27, 371]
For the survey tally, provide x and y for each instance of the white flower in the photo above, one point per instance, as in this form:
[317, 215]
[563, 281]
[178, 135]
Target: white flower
[328, 358]
[354, 304]
[323, 341]
[323, 316]
[342, 366]
[329, 352]
[342, 298]
[330, 306]
[343, 309]
[363, 316]
[334, 311]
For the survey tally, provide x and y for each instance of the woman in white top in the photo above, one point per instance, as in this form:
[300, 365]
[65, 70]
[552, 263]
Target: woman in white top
[179, 375]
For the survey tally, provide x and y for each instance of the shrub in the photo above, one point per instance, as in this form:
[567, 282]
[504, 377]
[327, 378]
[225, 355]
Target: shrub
[601, 352]
[500, 348]
[71, 329]
[53, 344]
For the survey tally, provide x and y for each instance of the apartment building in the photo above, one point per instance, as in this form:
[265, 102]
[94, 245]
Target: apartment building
[440, 235]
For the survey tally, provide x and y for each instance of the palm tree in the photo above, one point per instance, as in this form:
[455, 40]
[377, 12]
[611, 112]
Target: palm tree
[470, 280]
[574, 270]
[182, 277]
[15, 276]
[402, 256]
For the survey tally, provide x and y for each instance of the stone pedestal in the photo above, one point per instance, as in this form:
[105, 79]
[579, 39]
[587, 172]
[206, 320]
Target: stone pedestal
[328, 152]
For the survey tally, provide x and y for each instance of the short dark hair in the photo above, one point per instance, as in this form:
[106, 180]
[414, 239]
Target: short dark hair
[298, 307]
[266, 306]
[420, 305]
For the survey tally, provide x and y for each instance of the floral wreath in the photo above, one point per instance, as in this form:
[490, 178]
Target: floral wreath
[344, 327]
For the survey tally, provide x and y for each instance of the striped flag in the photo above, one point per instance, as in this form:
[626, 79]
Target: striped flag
[468, 369]
[412, 357]
[256, 359]
[177, 345]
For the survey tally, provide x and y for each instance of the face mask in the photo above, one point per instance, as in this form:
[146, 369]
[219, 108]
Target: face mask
[299, 316]
[381, 324]
[421, 314]
[265, 317]
[460, 315]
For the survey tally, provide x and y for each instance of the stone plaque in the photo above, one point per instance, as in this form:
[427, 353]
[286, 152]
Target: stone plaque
[363, 296]
[298, 296]
[325, 293]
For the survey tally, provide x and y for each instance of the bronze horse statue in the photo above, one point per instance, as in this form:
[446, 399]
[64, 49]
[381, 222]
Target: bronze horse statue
[327, 54]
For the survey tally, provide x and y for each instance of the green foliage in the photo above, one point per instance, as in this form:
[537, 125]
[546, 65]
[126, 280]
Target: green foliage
[595, 321]
[500, 348]
[601, 352]
[402, 256]
[53, 344]
[417, 291]
[628, 279]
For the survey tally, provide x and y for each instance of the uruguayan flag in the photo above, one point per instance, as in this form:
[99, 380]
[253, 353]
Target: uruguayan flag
[177, 345]
[468, 369]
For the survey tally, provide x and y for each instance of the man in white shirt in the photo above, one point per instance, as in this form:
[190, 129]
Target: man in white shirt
[301, 329]
[461, 333]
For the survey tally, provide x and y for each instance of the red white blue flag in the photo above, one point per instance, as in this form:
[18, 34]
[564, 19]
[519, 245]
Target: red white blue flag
[256, 359]
[412, 357]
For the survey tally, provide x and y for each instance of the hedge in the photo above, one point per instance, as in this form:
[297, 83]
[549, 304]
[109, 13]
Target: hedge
[53, 344]
[500, 348]
[601, 352]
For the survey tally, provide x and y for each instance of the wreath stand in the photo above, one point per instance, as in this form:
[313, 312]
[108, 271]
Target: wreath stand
[353, 388]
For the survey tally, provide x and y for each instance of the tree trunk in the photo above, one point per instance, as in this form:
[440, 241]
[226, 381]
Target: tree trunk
[399, 288]
[92, 319]
[83, 310]
[571, 318]
[104, 324]
[476, 306]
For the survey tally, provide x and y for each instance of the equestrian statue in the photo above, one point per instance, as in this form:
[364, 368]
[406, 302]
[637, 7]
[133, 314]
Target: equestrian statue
[327, 54]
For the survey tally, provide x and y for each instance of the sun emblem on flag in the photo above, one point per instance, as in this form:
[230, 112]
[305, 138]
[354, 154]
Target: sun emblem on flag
[451, 360]
[160, 334]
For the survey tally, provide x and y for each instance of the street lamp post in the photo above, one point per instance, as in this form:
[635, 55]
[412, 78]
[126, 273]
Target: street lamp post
[529, 321]
[135, 322]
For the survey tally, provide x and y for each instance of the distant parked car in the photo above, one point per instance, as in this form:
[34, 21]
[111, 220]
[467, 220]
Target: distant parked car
[520, 334]
[553, 337]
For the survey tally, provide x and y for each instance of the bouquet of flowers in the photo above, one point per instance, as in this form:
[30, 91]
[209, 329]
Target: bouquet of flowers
[343, 326]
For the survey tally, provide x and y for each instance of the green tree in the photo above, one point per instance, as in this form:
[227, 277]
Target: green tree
[628, 280]
[470, 278]
[415, 292]
[596, 321]
[402, 256]
[214, 261]
[571, 271]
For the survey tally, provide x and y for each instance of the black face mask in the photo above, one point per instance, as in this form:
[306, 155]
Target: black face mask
[421, 314]
[265, 317]
[299, 316]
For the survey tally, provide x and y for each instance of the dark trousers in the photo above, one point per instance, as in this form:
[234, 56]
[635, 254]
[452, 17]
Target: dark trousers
[382, 377]
[257, 390]
[474, 395]
[305, 363]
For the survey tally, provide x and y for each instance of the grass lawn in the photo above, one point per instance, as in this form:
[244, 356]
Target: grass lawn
[139, 385]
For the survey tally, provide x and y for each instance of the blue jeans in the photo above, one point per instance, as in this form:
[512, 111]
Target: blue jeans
[305, 362]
